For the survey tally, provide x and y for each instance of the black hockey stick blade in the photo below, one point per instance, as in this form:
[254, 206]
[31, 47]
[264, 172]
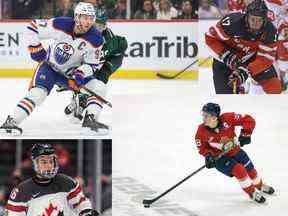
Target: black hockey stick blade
[148, 202]
[163, 76]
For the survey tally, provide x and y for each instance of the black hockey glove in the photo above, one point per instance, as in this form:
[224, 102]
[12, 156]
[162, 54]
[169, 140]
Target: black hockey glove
[230, 59]
[244, 138]
[88, 212]
[238, 77]
[210, 161]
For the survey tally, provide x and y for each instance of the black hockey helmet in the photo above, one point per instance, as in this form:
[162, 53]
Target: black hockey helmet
[257, 8]
[212, 108]
[44, 149]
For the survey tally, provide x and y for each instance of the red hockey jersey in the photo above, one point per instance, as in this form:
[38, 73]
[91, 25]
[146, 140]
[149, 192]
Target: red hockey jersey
[230, 33]
[208, 140]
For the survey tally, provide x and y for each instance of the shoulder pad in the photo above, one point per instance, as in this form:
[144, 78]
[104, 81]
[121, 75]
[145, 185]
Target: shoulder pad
[65, 182]
[233, 24]
[22, 192]
[94, 37]
[65, 24]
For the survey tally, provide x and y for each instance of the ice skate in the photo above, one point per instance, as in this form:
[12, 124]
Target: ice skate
[10, 127]
[93, 127]
[257, 197]
[267, 189]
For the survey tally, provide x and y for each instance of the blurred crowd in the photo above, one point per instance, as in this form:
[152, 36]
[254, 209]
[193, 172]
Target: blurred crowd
[211, 9]
[115, 9]
[66, 150]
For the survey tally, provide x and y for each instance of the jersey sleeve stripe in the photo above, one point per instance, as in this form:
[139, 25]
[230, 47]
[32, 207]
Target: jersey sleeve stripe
[267, 48]
[82, 199]
[266, 56]
[15, 208]
[74, 193]
[28, 27]
[33, 24]
[220, 32]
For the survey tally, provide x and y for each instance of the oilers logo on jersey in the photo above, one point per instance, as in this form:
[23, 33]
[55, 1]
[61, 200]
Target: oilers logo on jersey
[63, 52]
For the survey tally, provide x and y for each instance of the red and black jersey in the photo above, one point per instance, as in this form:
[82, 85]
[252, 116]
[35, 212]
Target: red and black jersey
[209, 140]
[61, 196]
[231, 33]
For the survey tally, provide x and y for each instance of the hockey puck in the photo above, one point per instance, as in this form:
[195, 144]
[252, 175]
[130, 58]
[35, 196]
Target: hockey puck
[146, 206]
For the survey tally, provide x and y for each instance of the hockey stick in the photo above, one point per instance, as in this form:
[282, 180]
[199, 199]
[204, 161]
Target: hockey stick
[163, 76]
[148, 202]
[101, 99]
[175, 75]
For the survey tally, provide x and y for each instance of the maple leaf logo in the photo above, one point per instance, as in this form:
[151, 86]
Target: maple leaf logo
[50, 210]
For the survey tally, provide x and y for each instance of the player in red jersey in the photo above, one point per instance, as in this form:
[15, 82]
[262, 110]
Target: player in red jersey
[244, 45]
[216, 136]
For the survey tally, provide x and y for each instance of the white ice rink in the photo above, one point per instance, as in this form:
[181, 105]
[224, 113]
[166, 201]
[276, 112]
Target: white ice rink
[47, 120]
[153, 148]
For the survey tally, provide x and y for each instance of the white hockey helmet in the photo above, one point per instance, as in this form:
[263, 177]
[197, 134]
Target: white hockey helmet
[85, 9]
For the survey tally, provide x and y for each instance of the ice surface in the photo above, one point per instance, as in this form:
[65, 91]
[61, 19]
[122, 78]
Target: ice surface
[154, 125]
[48, 120]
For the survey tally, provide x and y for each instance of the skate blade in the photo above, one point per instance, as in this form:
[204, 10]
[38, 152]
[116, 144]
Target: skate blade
[10, 132]
[89, 132]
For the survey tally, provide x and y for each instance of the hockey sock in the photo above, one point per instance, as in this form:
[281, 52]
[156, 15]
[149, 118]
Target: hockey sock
[257, 181]
[242, 176]
[94, 106]
[23, 109]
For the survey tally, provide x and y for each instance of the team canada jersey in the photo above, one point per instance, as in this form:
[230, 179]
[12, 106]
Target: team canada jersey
[63, 196]
[208, 140]
[230, 33]
[66, 50]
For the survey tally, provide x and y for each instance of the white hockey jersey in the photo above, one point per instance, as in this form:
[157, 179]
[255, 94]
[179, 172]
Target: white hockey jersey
[61, 197]
[66, 50]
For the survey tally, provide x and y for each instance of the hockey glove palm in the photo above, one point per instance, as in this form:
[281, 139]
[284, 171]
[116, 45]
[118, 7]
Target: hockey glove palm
[230, 59]
[244, 138]
[210, 161]
[37, 53]
[238, 77]
[116, 46]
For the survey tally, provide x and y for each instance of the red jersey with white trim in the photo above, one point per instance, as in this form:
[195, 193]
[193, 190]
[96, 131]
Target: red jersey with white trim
[209, 140]
[236, 6]
[231, 33]
[62, 196]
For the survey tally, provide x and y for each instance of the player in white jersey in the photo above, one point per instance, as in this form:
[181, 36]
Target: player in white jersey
[47, 192]
[113, 53]
[71, 60]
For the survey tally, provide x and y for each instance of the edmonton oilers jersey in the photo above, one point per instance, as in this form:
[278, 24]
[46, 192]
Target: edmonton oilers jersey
[66, 50]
